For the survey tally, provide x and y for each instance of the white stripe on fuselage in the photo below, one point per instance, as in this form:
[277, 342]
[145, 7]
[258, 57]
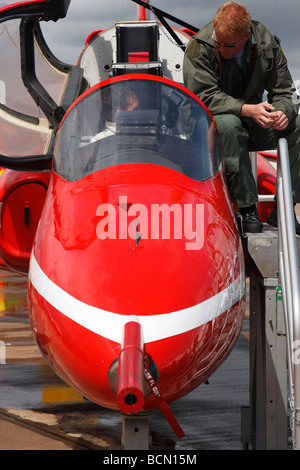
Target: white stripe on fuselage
[155, 327]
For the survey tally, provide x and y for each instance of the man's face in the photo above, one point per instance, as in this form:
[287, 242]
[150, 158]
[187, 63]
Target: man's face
[223, 43]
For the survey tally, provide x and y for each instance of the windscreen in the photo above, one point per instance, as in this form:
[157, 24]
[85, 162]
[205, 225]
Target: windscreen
[138, 120]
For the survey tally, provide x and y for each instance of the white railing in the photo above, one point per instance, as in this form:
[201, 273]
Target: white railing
[289, 281]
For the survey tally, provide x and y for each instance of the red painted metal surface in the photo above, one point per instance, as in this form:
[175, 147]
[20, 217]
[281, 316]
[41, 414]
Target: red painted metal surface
[85, 285]
[22, 197]
[148, 279]
[266, 182]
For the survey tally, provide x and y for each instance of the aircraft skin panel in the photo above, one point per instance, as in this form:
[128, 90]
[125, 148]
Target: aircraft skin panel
[171, 300]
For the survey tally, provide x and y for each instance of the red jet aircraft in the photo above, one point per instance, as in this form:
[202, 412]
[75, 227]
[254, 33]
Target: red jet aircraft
[115, 203]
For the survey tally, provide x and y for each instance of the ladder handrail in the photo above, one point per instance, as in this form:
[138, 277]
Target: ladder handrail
[289, 281]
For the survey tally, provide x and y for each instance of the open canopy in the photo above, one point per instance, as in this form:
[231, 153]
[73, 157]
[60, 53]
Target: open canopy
[35, 88]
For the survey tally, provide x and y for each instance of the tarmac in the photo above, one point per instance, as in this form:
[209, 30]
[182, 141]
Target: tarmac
[38, 411]
[17, 436]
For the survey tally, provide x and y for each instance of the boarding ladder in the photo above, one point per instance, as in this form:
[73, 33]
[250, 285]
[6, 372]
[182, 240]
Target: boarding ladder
[274, 323]
[289, 280]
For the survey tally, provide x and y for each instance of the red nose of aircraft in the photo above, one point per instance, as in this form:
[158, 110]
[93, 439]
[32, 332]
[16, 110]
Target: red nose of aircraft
[137, 258]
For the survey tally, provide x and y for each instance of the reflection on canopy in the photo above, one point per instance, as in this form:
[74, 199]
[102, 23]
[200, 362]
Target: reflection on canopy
[138, 120]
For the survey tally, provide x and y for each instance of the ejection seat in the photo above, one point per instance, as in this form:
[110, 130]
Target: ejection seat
[137, 48]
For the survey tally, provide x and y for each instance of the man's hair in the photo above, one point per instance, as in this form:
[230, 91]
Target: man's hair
[232, 19]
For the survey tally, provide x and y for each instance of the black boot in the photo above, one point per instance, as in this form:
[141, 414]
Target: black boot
[251, 221]
[272, 220]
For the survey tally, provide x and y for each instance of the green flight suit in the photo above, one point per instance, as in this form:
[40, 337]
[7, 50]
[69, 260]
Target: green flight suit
[224, 87]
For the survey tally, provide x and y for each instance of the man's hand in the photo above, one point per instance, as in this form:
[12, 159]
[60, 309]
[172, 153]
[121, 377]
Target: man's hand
[265, 115]
[280, 121]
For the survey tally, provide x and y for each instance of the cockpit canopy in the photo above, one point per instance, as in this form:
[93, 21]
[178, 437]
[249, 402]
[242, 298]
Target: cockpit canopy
[140, 119]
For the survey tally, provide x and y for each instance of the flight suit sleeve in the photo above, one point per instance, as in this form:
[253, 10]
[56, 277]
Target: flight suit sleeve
[202, 75]
[280, 87]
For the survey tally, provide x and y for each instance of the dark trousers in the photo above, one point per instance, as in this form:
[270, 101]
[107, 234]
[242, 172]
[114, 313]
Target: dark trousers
[241, 135]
